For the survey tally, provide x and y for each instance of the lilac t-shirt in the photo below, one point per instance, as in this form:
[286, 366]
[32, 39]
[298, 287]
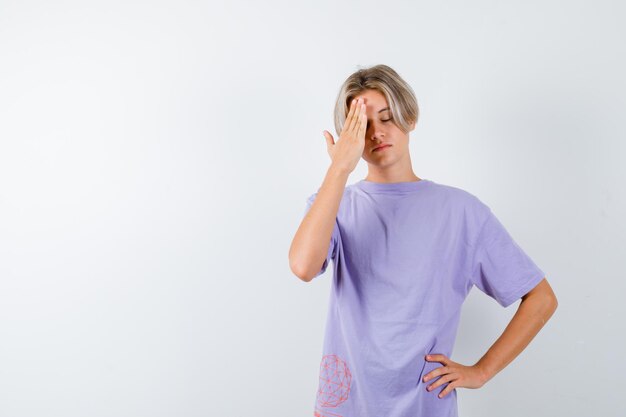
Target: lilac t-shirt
[405, 256]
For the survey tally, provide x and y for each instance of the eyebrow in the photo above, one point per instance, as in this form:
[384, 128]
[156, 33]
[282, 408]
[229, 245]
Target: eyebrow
[382, 110]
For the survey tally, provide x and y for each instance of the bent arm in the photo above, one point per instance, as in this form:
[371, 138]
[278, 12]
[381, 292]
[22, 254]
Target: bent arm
[534, 311]
[310, 244]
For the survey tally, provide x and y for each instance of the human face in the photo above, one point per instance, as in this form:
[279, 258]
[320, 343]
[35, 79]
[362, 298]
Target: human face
[381, 130]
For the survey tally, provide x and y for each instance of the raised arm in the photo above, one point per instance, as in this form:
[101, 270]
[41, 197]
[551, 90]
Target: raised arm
[311, 242]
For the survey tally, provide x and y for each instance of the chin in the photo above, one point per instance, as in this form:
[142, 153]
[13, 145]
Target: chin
[383, 163]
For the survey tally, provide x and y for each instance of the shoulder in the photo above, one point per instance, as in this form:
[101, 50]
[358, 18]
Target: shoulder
[348, 191]
[456, 195]
[461, 202]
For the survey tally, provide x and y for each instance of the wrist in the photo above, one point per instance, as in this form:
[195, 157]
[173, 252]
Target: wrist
[337, 170]
[485, 374]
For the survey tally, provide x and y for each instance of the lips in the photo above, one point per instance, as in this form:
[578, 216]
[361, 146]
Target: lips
[384, 145]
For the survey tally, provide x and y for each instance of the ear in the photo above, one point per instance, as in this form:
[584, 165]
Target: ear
[412, 127]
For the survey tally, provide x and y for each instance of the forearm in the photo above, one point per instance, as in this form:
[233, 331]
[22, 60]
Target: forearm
[531, 315]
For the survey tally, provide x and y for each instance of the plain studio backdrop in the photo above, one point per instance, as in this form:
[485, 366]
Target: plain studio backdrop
[155, 161]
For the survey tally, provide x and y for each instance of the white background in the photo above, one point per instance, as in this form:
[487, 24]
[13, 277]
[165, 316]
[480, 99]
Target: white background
[155, 160]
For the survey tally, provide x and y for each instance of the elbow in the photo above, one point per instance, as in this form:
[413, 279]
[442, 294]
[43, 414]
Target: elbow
[543, 298]
[299, 265]
[303, 265]
[551, 302]
[544, 304]
[551, 305]
[555, 303]
[299, 271]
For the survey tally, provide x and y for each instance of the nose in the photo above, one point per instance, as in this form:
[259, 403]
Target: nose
[377, 132]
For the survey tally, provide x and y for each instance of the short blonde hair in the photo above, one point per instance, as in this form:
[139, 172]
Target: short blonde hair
[399, 95]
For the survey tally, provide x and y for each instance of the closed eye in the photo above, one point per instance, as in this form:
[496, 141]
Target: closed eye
[384, 121]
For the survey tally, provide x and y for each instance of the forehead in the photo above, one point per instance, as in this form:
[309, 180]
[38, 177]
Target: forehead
[373, 98]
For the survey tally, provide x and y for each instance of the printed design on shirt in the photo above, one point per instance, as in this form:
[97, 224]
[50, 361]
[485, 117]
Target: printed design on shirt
[334, 385]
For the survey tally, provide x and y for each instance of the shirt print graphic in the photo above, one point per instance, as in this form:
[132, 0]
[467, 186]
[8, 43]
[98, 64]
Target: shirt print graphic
[334, 386]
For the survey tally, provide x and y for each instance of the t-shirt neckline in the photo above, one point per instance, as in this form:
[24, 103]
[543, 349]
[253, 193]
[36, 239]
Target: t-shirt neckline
[391, 187]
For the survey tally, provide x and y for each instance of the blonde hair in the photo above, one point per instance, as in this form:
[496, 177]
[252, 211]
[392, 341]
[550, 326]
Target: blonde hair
[399, 95]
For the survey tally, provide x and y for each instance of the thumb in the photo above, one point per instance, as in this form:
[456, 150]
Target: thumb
[329, 138]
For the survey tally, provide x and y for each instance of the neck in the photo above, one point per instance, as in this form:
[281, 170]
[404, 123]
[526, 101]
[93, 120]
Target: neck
[392, 178]
[398, 172]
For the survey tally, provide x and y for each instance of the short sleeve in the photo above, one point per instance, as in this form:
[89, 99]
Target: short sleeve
[332, 248]
[499, 267]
